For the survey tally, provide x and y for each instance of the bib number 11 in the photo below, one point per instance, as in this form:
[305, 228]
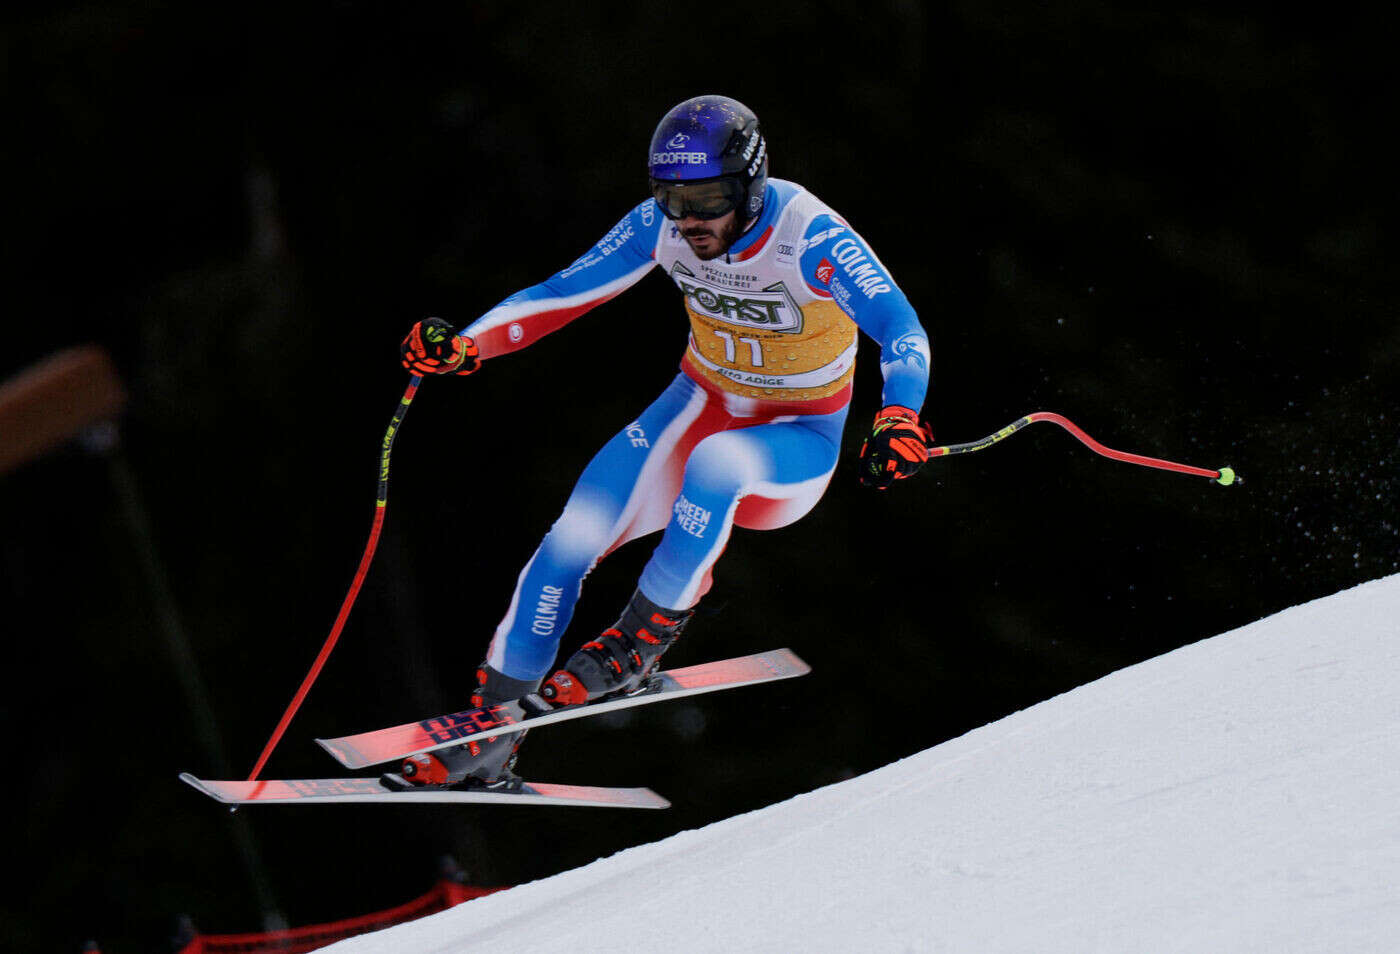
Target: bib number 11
[730, 349]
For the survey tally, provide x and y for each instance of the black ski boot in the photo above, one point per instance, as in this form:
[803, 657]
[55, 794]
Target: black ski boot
[483, 763]
[619, 660]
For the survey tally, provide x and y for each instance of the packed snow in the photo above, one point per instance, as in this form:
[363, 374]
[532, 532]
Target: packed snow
[1238, 794]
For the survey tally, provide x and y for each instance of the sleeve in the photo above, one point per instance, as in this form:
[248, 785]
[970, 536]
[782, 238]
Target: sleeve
[614, 264]
[837, 263]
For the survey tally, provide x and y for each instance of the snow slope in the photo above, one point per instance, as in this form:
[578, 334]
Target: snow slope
[1238, 794]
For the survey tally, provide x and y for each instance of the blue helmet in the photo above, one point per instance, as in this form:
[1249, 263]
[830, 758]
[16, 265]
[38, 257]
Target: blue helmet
[707, 157]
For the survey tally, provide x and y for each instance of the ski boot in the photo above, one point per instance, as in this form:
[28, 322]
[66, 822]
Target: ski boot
[619, 661]
[482, 763]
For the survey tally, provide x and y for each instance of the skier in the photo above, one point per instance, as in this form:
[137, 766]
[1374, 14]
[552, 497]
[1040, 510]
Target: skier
[775, 285]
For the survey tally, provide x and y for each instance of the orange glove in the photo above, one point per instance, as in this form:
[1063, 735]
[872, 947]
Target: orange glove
[896, 448]
[434, 347]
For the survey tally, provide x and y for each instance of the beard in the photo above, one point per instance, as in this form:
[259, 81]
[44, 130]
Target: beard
[716, 241]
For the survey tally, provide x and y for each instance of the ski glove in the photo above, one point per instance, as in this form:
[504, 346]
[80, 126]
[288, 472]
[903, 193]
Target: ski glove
[434, 347]
[896, 448]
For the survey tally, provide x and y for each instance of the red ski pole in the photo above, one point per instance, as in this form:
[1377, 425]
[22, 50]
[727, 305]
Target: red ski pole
[381, 500]
[1224, 476]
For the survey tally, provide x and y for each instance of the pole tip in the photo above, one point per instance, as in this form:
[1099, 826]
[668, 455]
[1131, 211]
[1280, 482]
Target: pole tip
[1227, 477]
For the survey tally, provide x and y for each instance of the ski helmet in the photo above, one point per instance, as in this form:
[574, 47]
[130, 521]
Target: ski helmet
[708, 157]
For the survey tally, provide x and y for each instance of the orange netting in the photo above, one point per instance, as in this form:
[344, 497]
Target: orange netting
[299, 940]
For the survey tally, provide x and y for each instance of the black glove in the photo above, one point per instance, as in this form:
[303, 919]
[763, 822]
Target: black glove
[434, 347]
[896, 448]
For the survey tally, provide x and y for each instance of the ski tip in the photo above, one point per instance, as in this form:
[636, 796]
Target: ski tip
[645, 798]
[199, 786]
[344, 754]
[793, 664]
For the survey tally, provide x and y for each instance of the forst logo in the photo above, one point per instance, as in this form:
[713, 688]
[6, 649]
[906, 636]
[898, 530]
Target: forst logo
[751, 311]
[773, 311]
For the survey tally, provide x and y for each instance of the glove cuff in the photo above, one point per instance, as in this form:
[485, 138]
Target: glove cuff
[893, 414]
[898, 412]
[469, 356]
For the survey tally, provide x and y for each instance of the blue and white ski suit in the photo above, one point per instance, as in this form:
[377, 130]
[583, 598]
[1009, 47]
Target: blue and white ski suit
[747, 433]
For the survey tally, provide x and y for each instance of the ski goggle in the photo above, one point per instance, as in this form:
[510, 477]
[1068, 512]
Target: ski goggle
[707, 199]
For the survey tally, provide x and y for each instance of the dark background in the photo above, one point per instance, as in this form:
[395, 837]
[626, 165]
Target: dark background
[1172, 223]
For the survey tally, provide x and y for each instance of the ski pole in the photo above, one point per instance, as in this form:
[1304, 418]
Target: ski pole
[380, 503]
[1224, 476]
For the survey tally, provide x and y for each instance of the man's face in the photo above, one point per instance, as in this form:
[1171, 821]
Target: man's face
[710, 238]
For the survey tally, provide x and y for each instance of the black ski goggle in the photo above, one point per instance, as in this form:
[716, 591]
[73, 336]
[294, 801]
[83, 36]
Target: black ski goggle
[707, 199]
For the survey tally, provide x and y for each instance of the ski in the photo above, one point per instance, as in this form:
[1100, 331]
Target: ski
[311, 791]
[401, 741]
